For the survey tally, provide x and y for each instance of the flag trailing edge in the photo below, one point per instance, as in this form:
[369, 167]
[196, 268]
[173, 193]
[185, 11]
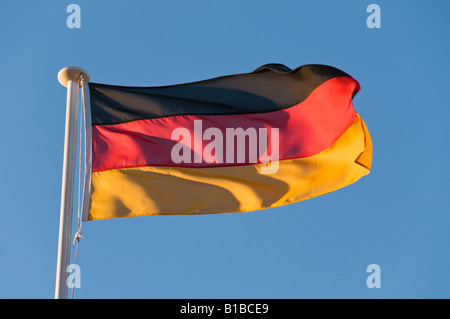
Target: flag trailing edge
[235, 143]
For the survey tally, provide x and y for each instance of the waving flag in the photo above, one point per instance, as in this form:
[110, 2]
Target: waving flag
[236, 143]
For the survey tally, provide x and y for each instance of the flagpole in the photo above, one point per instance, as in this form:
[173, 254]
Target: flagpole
[69, 77]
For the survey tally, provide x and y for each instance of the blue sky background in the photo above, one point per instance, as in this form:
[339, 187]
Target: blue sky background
[396, 217]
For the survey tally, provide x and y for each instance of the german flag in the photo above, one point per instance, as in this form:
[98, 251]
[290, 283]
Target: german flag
[235, 143]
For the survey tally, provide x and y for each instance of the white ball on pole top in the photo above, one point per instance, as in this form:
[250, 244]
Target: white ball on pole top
[72, 73]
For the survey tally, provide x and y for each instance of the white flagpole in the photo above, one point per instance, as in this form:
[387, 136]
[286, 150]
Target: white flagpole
[69, 77]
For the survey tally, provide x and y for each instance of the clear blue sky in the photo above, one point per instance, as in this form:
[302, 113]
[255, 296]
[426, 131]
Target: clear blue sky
[397, 217]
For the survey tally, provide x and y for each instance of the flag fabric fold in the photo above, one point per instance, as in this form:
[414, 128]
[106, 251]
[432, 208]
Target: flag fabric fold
[235, 143]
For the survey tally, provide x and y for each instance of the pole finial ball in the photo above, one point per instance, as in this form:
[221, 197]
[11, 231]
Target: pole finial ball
[72, 73]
